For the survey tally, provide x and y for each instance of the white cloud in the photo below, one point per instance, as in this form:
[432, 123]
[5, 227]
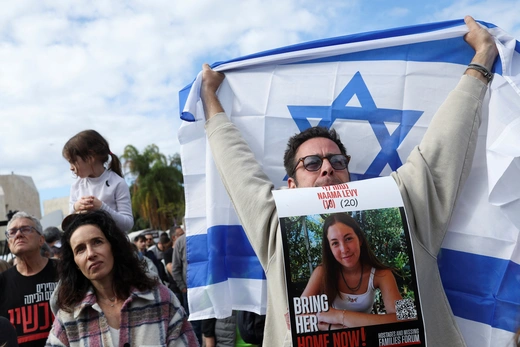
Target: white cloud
[503, 13]
[117, 66]
[398, 12]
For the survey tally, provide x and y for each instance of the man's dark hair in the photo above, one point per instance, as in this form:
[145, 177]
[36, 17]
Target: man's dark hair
[51, 234]
[139, 238]
[164, 238]
[289, 158]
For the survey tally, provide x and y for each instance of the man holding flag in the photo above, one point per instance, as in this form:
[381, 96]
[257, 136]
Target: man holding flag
[429, 182]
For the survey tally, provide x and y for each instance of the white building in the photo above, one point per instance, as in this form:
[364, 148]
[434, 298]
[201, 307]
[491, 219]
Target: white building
[20, 194]
[17, 193]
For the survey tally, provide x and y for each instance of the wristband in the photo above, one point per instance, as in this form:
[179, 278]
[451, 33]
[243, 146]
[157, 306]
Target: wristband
[488, 75]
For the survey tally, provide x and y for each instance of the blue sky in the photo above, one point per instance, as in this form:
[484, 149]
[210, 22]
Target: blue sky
[116, 66]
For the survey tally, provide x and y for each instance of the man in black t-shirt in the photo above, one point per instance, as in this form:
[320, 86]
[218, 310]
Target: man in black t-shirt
[25, 290]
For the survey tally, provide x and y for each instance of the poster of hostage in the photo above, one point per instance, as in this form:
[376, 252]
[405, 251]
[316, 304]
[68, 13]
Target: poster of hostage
[349, 265]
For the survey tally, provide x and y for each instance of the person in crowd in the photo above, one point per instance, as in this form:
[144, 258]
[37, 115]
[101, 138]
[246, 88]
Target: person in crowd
[349, 276]
[179, 268]
[223, 332]
[179, 271]
[175, 233]
[429, 182]
[168, 253]
[140, 243]
[163, 244]
[178, 232]
[7, 333]
[53, 239]
[25, 289]
[168, 257]
[105, 296]
[151, 269]
[12, 261]
[46, 251]
[150, 254]
[100, 184]
[150, 242]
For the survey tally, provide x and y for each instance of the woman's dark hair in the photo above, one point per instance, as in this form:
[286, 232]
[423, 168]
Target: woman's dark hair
[128, 271]
[89, 143]
[331, 267]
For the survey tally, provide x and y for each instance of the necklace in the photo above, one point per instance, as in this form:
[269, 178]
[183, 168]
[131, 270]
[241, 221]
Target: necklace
[359, 283]
[112, 300]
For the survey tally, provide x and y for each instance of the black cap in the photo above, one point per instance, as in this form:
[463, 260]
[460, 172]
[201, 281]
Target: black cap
[67, 221]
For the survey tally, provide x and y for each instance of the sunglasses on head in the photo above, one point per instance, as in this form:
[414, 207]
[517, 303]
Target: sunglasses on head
[314, 162]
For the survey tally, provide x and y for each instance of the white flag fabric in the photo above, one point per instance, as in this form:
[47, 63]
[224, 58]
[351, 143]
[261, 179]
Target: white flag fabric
[379, 90]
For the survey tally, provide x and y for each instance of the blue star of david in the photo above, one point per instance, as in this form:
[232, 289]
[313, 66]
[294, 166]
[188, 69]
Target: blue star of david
[368, 111]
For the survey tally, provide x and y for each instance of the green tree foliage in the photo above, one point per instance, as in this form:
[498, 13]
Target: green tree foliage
[157, 190]
[304, 239]
[385, 236]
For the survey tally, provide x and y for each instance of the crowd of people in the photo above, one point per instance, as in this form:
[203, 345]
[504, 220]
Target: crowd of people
[91, 278]
[90, 285]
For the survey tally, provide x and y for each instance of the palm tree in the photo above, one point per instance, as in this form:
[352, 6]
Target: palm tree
[157, 190]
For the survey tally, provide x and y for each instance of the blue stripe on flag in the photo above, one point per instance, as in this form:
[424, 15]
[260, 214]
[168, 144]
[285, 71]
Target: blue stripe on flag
[454, 50]
[359, 37]
[224, 252]
[431, 51]
[487, 289]
[368, 36]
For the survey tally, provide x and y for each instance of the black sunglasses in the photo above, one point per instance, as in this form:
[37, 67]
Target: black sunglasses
[314, 162]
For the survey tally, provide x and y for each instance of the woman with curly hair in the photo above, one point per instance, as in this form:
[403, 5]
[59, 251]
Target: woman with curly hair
[105, 297]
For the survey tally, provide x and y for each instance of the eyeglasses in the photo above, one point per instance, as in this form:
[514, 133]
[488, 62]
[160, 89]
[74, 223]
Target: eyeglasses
[314, 162]
[25, 230]
[149, 238]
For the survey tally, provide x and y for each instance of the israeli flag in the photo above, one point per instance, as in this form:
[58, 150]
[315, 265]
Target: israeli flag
[379, 90]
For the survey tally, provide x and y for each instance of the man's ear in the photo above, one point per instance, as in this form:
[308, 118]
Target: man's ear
[291, 183]
[42, 240]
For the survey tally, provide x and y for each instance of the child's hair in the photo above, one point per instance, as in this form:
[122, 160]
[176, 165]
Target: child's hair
[89, 143]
